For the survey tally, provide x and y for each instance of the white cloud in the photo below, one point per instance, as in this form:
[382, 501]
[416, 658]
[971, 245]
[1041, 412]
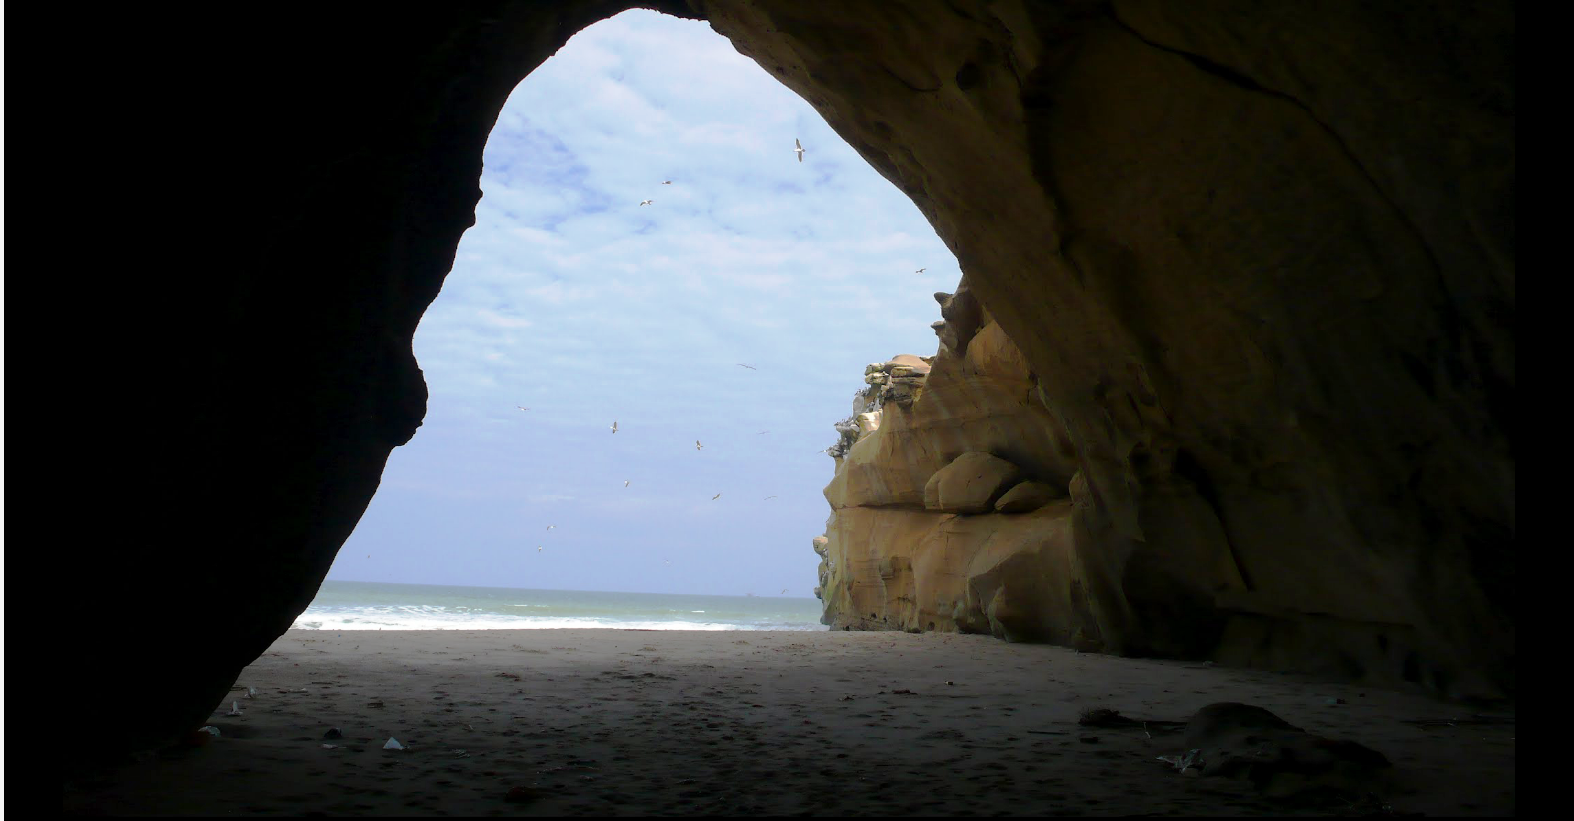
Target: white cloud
[499, 321]
[569, 298]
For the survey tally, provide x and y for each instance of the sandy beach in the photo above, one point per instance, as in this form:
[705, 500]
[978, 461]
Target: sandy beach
[624, 722]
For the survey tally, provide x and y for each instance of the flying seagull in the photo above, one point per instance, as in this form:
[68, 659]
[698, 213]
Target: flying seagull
[763, 431]
[714, 498]
[920, 270]
[646, 202]
[538, 548]
[549, 527]
[697, 445]
[666, 182]
[784, 590]
[614, 426]
[799, 149]
[768, 498]
[750, 367]
[625, 483]
[521, 407]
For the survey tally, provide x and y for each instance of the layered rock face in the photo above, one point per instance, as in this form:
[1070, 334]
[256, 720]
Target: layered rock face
[1258, 261]
[956, 509]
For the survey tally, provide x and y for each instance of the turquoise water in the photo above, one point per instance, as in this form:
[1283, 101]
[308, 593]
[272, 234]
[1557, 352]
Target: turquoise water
[382, 606]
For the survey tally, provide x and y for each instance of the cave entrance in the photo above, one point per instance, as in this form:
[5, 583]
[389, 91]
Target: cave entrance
[651, 251]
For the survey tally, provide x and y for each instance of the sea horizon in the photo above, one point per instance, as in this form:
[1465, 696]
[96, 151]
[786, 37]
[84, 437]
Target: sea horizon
[356, 605]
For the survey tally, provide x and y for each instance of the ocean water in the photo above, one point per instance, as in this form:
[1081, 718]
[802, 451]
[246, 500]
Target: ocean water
[382, 606]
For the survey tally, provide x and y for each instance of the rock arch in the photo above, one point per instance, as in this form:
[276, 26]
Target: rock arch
[1260, 262]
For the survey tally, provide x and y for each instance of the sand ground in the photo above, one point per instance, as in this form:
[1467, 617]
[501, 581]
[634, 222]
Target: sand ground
[625, 722]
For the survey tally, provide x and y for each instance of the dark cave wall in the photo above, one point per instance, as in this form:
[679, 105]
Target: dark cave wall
[327, 161]
[1257, 257]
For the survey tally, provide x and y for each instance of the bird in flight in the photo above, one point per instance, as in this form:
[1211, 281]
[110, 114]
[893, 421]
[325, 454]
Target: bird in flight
[750, 367]
[763, 431]
[614, 426]
[921, 270]
[697, 445]
[666, 182]
[768, 498]
[625, 483]
[538, 548]
[799, 149]
[714, 498]
[646, 202]
[784, 590]
[549, 527]
[521, 407]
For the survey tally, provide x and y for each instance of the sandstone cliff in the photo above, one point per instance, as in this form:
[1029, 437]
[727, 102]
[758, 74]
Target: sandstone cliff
[918, 539]
[958, 504]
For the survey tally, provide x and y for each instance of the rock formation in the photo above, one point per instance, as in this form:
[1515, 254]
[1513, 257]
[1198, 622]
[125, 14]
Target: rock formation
[1255, 265]
[955, 436]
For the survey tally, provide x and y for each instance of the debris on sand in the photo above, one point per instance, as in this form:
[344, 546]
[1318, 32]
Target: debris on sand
[1281, 760]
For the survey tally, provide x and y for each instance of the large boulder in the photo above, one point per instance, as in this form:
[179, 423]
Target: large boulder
[970, 484]
[1027, 496]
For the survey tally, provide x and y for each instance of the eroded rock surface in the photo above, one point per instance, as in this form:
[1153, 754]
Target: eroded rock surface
[899, 553]
[1256, 265]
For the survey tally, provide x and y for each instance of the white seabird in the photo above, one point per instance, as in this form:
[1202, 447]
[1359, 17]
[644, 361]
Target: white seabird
[625, 483]
[614, 426]
[768, 498]
[763, 431]
[521, 407]
[646, 202]
[666, 182]
[799, 149]
[714, 498]
[234, 709]
[920, 270]
[538, 548]
[697, 445]
[750, 367]
[784, 590]
[549, 527]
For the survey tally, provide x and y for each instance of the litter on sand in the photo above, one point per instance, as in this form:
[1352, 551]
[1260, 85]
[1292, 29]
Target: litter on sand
[210, 730]
[393, 744]
[1191, 760]
[234, 709]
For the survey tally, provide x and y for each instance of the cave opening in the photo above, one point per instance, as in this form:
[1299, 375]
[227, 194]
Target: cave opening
[1249, 262]
[650, 251]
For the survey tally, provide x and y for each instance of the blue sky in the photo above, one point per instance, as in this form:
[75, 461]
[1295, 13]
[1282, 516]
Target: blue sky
[571, 299]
